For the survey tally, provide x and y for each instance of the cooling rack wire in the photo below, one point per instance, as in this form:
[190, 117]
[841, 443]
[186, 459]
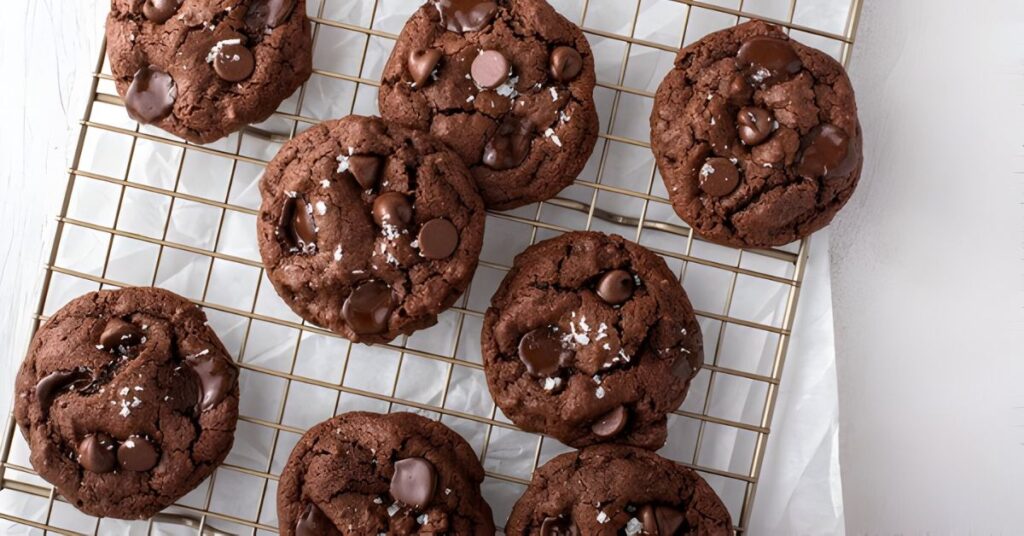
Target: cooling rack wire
[144, 208]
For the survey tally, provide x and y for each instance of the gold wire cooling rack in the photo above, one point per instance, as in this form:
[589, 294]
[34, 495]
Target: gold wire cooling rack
[144, 208]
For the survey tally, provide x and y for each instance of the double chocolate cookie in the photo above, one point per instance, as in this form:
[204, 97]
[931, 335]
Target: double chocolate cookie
[369, 229]
[202, 69]
[617, 490]
[508, 84]
[128, 401]
[757, 137]
[590, 338]
[398, 474]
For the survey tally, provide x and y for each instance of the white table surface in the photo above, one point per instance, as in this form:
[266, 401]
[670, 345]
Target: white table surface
[927, 327]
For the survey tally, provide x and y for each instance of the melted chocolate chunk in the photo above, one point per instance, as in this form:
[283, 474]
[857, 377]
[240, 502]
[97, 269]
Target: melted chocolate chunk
[826, 153]
[234, 63]
[438, 239]
[55, 383]
[768, 60]
[366, 169]
[268, 13]
[662, 520]
[421, 64]
[754, 125]
[159, 11]
[612, 423]
[413, 482]
[466, 15]
[543, 352]
[120, 335]
[216, 379]
[137, 454]
[392, 208]
[297, 227]
[510, 144]
[558, 526]
[740, 91]
[151, 96]
[566, 64]
[616, 286]
[490, 69]
[367, 308]
[719, 177]
[314, 523]
[96, 453]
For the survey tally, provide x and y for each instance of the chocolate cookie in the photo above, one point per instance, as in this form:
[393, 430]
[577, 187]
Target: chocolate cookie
[202, 69]
[616, 490]
[397, 474]
[368, 228]
[756, 136]
[508, 84]
[128, 401]
[590, 338]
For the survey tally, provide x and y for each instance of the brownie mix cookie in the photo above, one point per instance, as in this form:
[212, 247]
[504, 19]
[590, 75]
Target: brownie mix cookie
[202, 69]
[128, 401]
[756, 136]
[397, 474]
[508, 84]
[369, 229]
[617, 490]
[590, 338]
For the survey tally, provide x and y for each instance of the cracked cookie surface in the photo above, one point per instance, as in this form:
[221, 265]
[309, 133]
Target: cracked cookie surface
[611, 489]
[507, 84]
[756, 137]
[369, 229]
[590, 338]
[128, 401]
[365, 473]
[202, 69]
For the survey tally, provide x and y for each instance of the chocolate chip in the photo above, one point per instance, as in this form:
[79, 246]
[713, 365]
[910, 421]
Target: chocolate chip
[649, 520]
[490, 69]
[216, 379]
[392, 208]
[466, 15]
[510, 144]
[137, 454]
[314, 523]
[55, 383]
[421, 64]
[719, 177]
[120, 335]
[543, 352]
[96, 453]
[662, 520]
[826, 152]
[297, 227]
[438, 239]
[754, 125]
[740, 90]
[366, 169]
[234, 63]
[616, 286]
[159, 11]
[268, 13]
[413, 483]
[367, 308]
[681, 368]
[151, 96]
[566, 64]
[558, 526]
[767, 59]
[611, 424]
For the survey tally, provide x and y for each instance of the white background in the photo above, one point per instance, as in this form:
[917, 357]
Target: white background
[926, 267]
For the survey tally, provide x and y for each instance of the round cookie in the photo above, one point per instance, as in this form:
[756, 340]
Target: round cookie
[611, 489]
[757, 137]
[202, 69]
[369, 229]
[589, 339]
[508, 84]
[396, 474]
[127, 400]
